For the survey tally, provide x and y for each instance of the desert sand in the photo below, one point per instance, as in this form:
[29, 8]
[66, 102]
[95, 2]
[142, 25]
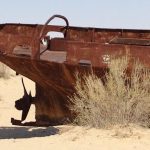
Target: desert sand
[65, 137]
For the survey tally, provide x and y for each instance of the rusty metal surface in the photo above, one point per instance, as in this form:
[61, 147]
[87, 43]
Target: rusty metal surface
[53, 65]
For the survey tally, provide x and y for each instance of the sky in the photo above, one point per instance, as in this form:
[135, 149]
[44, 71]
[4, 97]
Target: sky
[133, 14]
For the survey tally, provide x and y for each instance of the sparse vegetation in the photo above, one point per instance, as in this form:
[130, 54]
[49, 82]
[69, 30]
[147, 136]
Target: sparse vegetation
[4, 71]
[123, 99]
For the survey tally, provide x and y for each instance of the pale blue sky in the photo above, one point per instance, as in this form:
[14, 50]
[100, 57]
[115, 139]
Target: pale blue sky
[97, 13]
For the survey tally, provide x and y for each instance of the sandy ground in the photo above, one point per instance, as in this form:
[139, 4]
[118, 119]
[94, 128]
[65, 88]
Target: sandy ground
[59, 137]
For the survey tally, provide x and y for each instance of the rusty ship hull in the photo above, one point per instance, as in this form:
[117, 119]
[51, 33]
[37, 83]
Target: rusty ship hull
[52, 66]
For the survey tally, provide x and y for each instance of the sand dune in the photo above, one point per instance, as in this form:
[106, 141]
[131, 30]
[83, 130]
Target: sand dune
[60, 137]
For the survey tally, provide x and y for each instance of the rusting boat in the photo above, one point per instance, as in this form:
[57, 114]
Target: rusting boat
[52, 62]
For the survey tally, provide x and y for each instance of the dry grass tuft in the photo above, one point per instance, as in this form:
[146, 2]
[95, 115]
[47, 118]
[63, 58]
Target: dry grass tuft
[5, 72]
[122, 100]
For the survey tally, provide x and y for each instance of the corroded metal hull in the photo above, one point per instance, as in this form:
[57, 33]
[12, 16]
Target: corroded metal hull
[52, 87]
[53, 65]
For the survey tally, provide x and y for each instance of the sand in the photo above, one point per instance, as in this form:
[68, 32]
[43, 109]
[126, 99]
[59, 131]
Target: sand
[65, 137]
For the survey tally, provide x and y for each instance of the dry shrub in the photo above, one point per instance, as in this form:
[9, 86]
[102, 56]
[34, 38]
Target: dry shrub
[121, 100]
[4, 71]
